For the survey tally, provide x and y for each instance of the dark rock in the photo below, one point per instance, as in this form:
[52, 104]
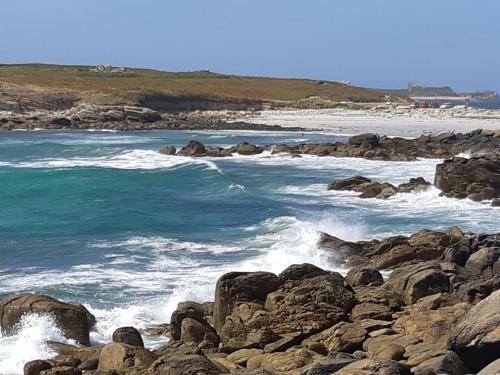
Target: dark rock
[415, 184]
[91, 364]
[129, 336]
[193, 148]
[369, 138]
[492, 369]
[349, 183]
[476, 338]
[34, 367]
[301, 272]
[245, 148]
[168, 150]
[74, 320]
[62, 121]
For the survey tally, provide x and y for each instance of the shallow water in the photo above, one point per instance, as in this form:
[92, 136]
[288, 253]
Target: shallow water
[102, 218]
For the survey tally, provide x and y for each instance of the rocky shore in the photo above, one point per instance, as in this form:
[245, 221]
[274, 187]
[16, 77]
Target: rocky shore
[437, 312]
[129, 118]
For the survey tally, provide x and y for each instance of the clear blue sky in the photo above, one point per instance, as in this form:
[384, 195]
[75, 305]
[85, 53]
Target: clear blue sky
[378, 43]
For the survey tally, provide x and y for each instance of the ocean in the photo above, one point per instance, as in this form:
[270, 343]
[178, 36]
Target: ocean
[103, 219]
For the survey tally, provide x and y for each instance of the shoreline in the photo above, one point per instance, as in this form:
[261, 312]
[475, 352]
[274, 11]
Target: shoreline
[383, 120]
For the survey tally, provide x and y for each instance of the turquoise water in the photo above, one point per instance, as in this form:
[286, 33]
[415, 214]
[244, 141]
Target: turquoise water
[102, 218]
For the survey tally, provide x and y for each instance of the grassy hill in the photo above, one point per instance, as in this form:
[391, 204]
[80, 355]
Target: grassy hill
[165, 90]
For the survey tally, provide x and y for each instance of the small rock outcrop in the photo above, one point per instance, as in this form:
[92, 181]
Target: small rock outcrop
[372, 189]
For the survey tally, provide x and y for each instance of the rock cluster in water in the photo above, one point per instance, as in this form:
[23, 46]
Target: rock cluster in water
[438, 312]
[373, 189]
[371, 146]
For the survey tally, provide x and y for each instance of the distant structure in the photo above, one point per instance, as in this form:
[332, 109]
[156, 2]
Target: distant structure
[108, 69]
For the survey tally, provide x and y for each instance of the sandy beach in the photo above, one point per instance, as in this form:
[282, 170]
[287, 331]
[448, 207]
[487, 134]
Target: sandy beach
[391, 122]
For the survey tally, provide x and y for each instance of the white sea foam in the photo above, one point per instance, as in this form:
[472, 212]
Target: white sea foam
[29, 343]
[393, 171]
[176, 272]
[131, 159]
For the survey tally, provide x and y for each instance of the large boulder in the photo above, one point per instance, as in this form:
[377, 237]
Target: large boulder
[235, 287]
[477, 178]
[74, 320]
[476, 338]
[129, 336]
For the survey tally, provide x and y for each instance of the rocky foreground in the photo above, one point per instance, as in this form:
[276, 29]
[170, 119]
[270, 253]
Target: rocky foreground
[438, 312]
